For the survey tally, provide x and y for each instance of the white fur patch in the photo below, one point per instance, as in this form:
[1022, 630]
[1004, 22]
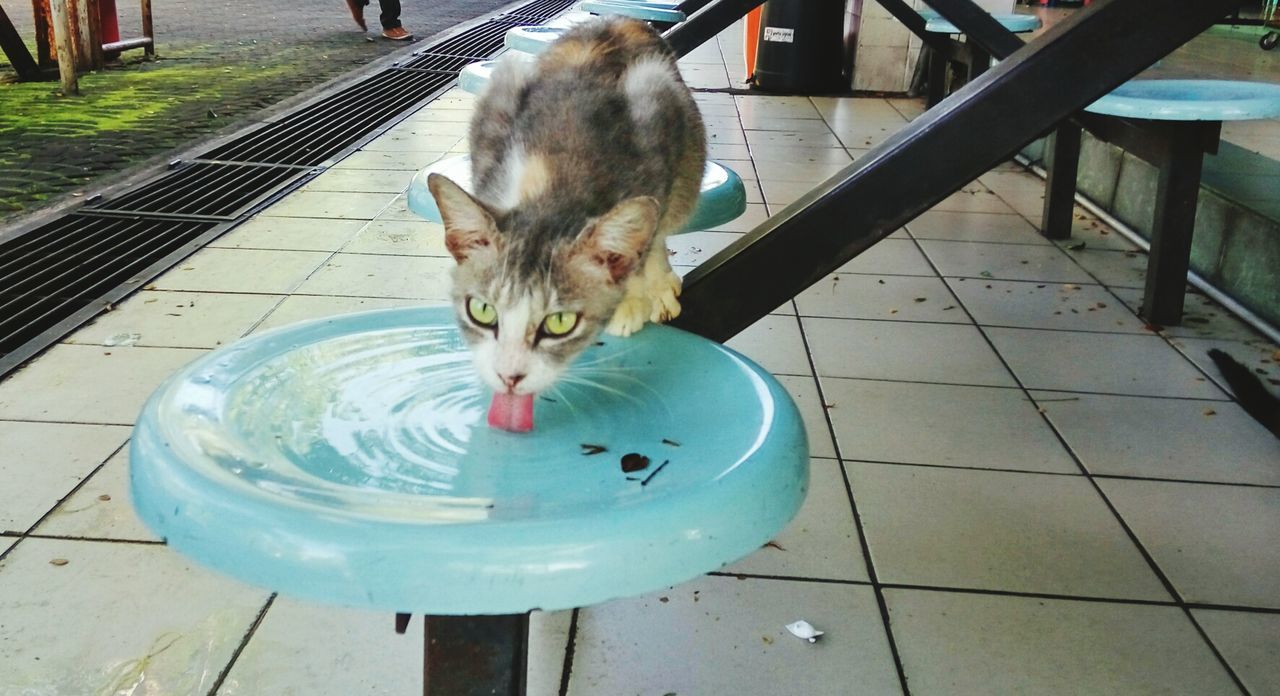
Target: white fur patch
[643, 82]
[509, 177]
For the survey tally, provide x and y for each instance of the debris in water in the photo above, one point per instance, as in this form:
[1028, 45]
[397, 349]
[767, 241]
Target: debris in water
[589, 450]
[661, 466]
[633, 462]
[672, 443]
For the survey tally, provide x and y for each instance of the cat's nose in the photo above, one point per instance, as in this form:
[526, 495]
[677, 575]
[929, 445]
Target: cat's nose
[511, 380]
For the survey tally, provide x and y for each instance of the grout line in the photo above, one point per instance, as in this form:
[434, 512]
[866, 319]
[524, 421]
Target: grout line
[96, 540]
[76, 488]
[881, 604]
[566, 672]
[1165, 581]
[244, 642]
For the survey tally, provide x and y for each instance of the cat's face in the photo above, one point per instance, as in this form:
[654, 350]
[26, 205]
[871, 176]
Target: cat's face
[531, 300]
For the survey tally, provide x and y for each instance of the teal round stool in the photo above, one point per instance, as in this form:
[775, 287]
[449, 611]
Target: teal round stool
[973, 59]
[1016, 23]
[656, 11]
[347, 461]
[1191, 100]
[532, 40]
[722, 199]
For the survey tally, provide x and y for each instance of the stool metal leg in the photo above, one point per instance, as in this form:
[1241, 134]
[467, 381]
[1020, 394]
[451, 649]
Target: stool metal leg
[1175, 220]
[937, 87]
[470, 655]
[1060, 184]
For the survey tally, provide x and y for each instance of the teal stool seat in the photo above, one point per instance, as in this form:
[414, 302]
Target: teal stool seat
[651, 11]
[474, 77]
[1016, 23]
[532, 40]
[722, 199]
[1191, 100]
[347, 461]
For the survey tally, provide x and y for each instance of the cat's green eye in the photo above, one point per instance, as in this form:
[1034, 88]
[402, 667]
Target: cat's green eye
[482, 312]
[559, 323]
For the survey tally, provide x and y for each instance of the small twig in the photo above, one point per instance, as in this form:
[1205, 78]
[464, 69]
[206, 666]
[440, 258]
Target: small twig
[662, 466]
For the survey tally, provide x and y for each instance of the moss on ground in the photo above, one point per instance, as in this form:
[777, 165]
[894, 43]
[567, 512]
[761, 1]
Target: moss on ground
[51, 144]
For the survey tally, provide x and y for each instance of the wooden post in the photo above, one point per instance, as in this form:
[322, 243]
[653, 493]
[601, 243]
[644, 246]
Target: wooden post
[44, 33]
[93, 21]
[78, 11]
[62, 39]
[147, 30]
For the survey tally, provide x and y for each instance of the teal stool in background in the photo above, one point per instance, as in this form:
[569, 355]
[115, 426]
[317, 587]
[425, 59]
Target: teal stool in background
[1171, 124]
[347, 461]
[974, 59]
[722, 198]
[660, 13]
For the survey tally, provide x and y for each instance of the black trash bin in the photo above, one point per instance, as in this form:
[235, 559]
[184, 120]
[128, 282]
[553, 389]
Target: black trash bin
[801, 47]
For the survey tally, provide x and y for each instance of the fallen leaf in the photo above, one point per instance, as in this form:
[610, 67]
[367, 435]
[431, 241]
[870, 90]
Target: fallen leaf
[1076, 247]
[104, 497]
[1210, 412]
[921, 299]
[59, 562]
[633, 462]
[773, 545]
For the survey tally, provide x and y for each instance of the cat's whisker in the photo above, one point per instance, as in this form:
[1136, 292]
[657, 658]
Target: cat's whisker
[573, 379]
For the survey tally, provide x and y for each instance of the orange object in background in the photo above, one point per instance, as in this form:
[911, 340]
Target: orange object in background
[750, 37]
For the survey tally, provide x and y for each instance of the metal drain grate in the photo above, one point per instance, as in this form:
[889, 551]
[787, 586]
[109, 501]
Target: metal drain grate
[203, 189]
[478, 42]
[56, 271]
[541, 10]
[55, 277]
[324, 129]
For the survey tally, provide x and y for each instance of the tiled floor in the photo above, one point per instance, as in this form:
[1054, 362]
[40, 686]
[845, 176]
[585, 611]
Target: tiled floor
[1016, 487]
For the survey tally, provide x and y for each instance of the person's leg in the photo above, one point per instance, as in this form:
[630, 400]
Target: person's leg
[390, 19]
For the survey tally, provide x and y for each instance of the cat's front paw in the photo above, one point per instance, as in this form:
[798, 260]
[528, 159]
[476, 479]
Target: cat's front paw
[664, 294]
[629, 317]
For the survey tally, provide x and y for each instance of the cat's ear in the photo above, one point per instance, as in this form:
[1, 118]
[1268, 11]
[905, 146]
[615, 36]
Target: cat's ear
[613, 243]
[469, 227]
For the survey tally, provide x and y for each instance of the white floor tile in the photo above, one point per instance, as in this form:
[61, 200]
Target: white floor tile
[160, 318]
[7, 543]
[975, 227]
[897, 298]
[1116, 269]
[821, 542]
[1164, 438]
[548, 640]
[399, 238]
[291, 234]
[997, 530]
[1102, 363]
[692, 248]
[978, 427]
[1045, 264]
[804, 392]
[343, 205]
[964, 644]
[116, 618]
[904, 351]
[1030, 305]
[1216, 543]
[751, 106]
[721, 635]
[389, 160]
[775, 344]
[974, 200]
[747, 221]
[101, 509]
[368, 275]
[303, 307]
[890, 257]
[228, 270]
[363, 180]
[302, 649]
[1250, 643]
[89, 384]
[41, 462]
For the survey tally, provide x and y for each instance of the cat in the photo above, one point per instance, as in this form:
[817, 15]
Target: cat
[1253, 397]
[583, 161]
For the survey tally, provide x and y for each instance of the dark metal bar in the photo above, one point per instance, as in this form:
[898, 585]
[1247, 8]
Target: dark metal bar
[703, 25]
[978, 26]
[467, 655]
[19, 57]
[1177, 192]
[1060, 184]
[981, 125]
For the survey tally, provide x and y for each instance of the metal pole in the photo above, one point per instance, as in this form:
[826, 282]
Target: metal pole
[62, 37]
[704, 24]
[469, 655]
[19, 57]
[982, 124]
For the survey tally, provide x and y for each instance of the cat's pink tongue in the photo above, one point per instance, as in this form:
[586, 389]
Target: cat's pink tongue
[513, 412]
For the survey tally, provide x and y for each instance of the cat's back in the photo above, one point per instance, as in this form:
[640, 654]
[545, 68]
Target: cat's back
[602, 109]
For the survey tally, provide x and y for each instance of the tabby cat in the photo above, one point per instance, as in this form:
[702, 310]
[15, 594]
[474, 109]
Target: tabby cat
[583, 161]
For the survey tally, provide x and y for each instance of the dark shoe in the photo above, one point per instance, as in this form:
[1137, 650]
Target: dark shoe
[396, 33]
[357, 13]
